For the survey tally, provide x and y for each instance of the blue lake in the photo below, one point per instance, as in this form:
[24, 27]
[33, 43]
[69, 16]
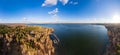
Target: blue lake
[79, 39]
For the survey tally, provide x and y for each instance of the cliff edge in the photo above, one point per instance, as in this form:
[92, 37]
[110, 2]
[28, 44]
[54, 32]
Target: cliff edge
[25, 40]
[113, 48]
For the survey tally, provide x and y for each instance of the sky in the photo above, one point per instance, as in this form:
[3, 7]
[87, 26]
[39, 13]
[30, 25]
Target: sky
[59, 11]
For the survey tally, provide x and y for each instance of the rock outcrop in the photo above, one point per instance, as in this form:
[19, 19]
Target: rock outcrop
[113, 48]
[25, 40]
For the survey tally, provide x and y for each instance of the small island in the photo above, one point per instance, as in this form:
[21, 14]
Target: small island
[113, 48]
[20, 39]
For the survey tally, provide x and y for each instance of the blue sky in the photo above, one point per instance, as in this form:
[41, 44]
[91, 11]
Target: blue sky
[41, 11]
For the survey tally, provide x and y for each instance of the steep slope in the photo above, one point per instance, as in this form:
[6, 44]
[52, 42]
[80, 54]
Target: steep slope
[25, 40]
[114, 38]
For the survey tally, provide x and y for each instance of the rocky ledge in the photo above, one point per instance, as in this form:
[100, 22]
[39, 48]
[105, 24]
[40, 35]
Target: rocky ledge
[25, 40]
[113, 48]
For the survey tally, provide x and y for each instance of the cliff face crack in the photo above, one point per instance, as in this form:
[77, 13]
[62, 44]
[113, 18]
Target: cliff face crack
[25, 40]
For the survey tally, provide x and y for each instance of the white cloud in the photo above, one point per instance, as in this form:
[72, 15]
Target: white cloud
[49, 2]
[55, 11]
[64, 1]
[54, 14]
[54, 2]
[74, 3]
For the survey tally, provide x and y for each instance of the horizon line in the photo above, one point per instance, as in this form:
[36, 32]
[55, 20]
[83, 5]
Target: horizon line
[65, 23]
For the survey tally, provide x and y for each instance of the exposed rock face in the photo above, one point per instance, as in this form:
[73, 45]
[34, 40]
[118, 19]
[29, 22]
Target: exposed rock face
[25, 40]
[114, 38]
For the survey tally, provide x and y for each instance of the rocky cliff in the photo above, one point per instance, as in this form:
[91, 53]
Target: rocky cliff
[25, 40]
[113, 48]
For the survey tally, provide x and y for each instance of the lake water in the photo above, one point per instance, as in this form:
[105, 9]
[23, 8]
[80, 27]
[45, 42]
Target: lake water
[80, 39]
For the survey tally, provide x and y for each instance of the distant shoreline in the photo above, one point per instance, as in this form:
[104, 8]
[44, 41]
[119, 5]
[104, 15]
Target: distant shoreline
[63, 23]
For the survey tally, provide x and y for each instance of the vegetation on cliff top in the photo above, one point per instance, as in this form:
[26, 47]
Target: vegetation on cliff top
[25, 40]
[114, 38]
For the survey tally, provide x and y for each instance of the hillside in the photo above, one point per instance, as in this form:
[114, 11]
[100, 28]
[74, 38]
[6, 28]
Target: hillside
[25, 40]
[113, 48]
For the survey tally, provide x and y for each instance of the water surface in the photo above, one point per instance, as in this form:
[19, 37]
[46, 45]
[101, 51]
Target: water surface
[79, 39]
